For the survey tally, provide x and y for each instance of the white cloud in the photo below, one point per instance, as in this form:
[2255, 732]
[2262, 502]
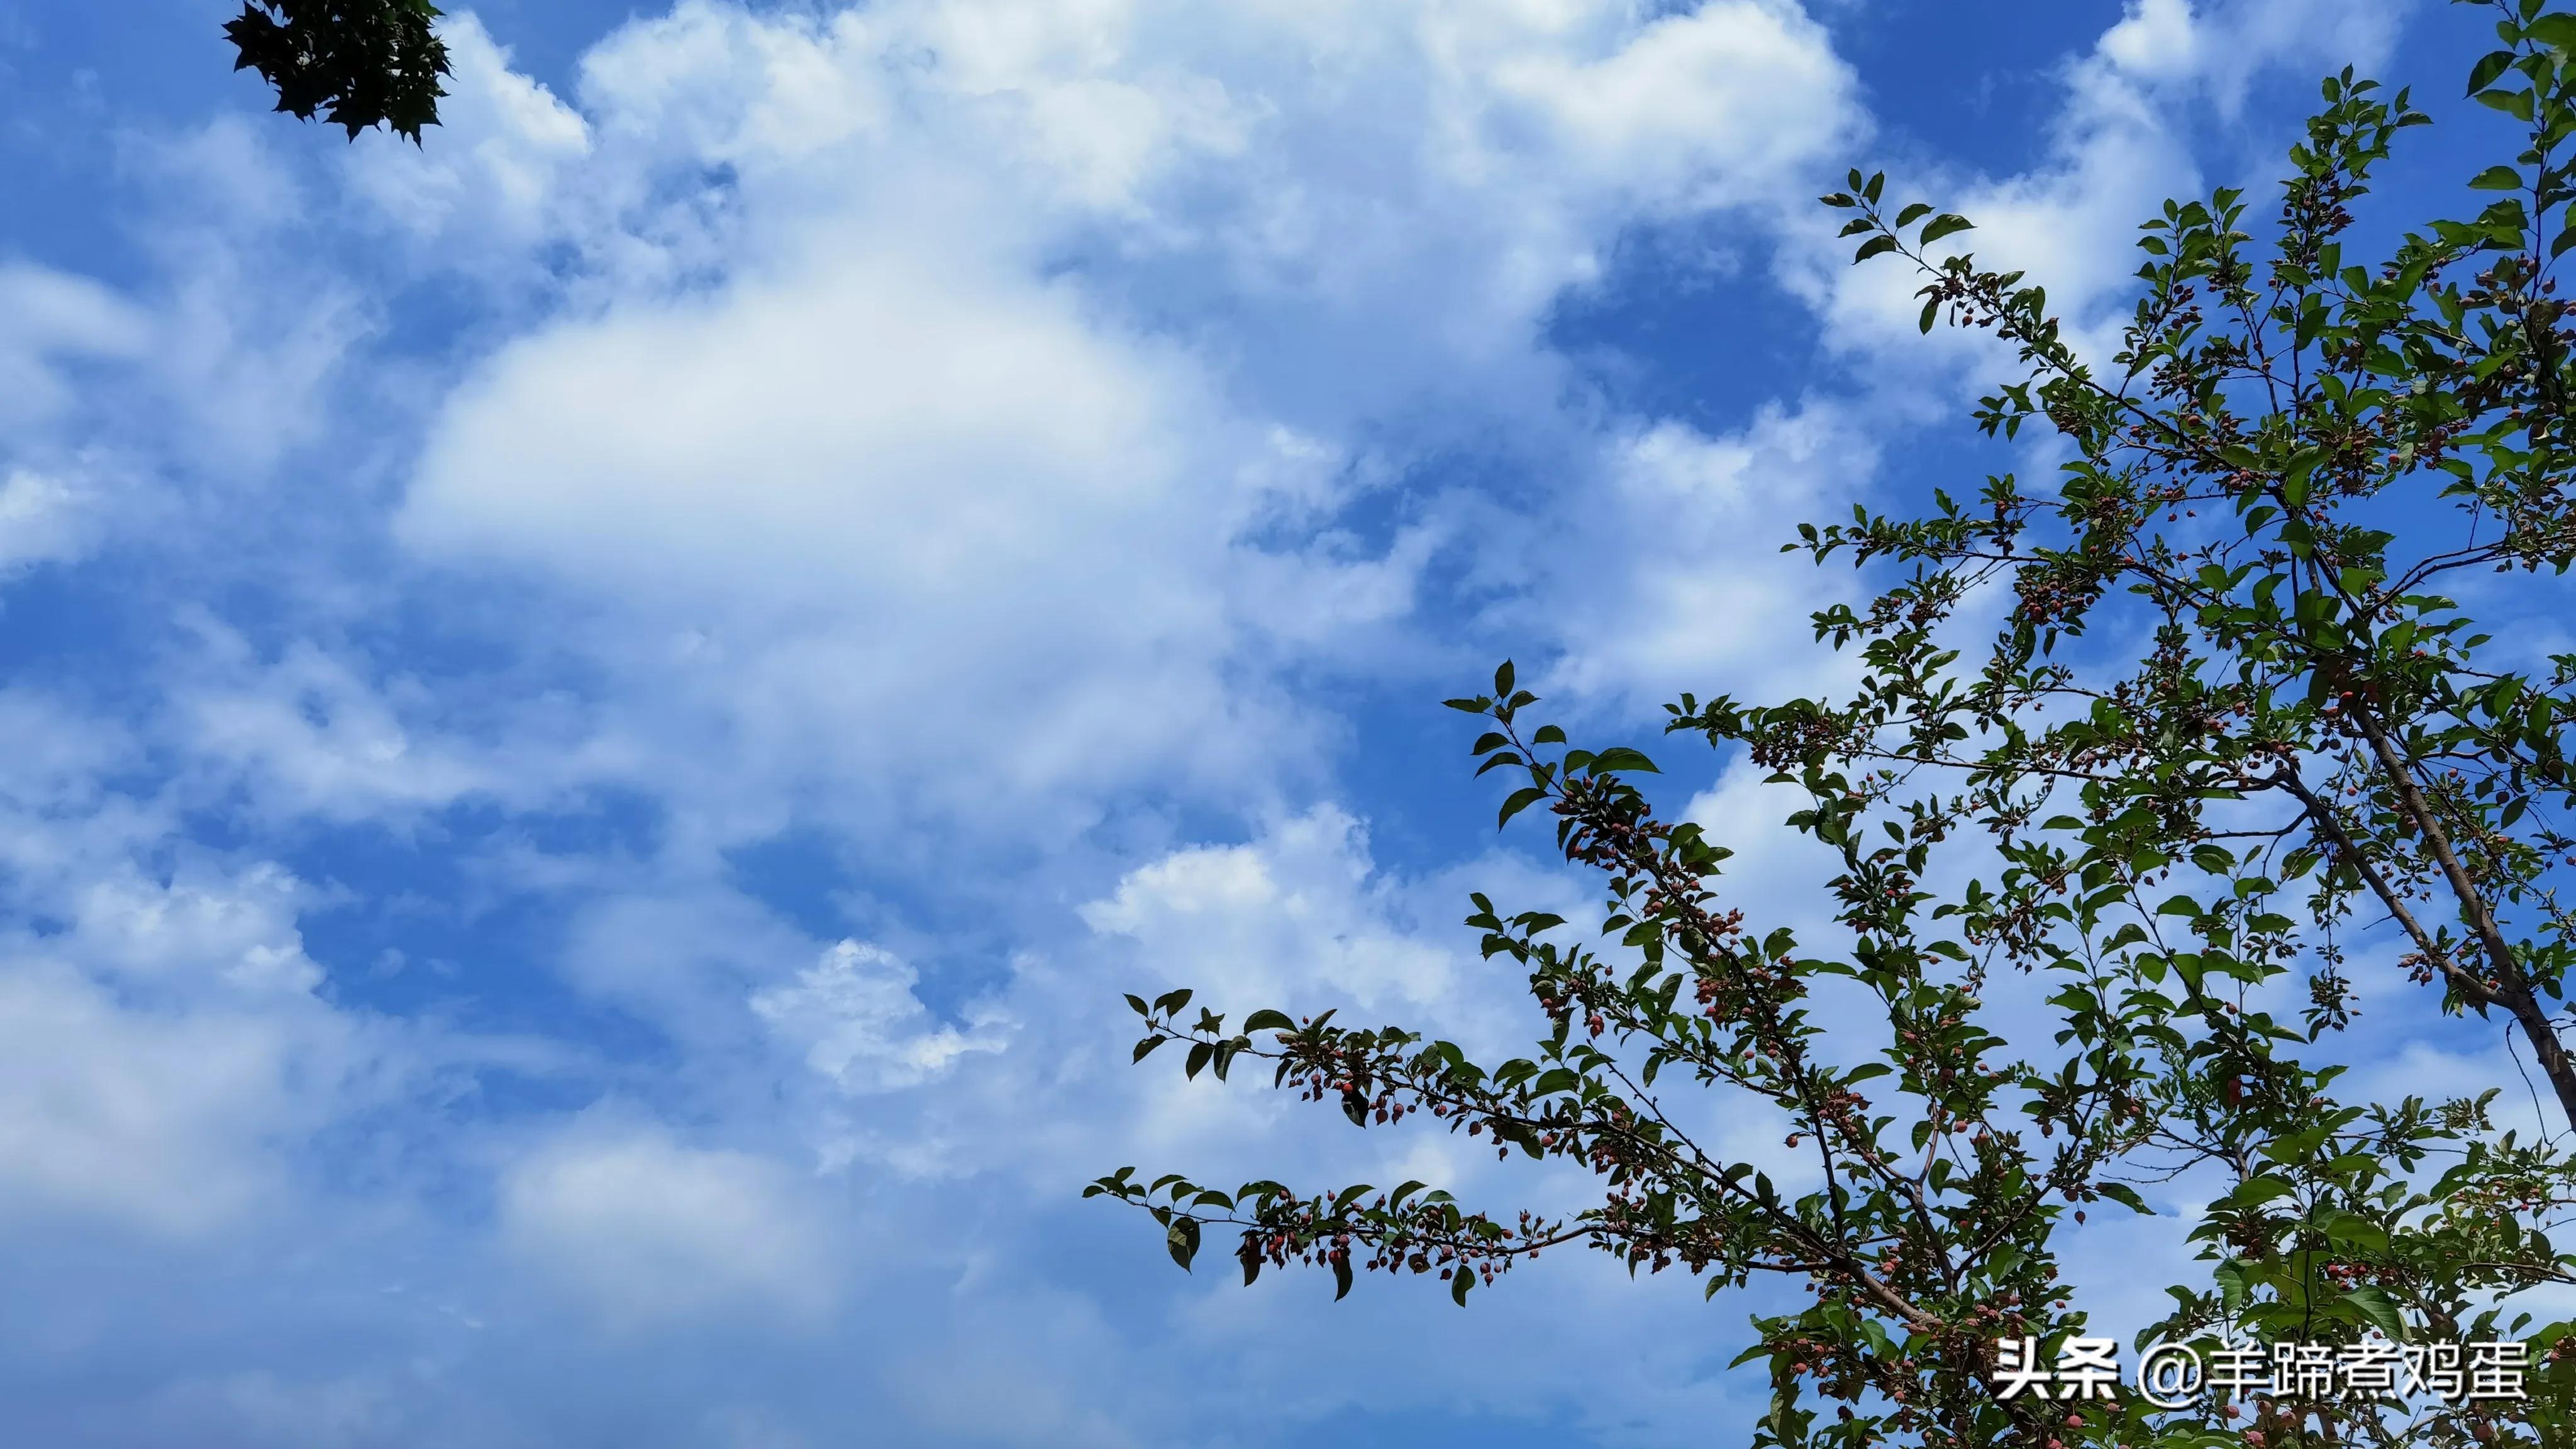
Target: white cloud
[172, 1122]
[321, 740]
[234, 933]
[42, 520]
[925, 424]
[486, 180]
[1297, 909]
[1723, 104]
[861, 1026]
[2222, 45]
[2156, 39]
[647, 1231]
[163, 1052]
[897, 423]
[47, 318]
[1626, 578]
[2121, 144]
[863, 494]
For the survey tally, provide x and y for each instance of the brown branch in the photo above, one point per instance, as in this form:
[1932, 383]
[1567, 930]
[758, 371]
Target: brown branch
[2511, 988]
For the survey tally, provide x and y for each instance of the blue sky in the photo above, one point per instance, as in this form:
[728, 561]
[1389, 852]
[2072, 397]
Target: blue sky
[599, 712]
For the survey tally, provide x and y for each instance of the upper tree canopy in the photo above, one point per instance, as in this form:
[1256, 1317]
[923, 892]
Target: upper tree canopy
[2149, 762]
[356, 63]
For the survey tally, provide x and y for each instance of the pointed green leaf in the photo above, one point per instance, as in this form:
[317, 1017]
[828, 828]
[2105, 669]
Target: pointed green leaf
[1609, 761]
[2557, 31]
[2489, 66]
[2126, 1196]
[2378, 1309]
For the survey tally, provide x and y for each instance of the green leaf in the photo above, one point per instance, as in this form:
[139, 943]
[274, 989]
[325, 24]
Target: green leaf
[1877, 246]
[356, 65]
[2357, 1230]
[1268, 1019]
[1931, 313]
[2516, 104]
[2489, 66]
[1341, 1277]
[2378, 1309]
[1632, 761]
[1460, 1280]
[2257, 1191]
[2126, 1196]
[2497, 178]
[1521, 800]
[1182, 1240]
[1945, 225]
[2556, 30]
[1146, 1047]
[1914, 213]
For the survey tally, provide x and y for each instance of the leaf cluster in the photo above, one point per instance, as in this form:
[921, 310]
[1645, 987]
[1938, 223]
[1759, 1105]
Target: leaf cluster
[356, 63]
[2175, 742]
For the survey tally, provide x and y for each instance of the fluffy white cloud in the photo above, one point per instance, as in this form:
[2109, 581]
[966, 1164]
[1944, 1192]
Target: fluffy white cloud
[861, 1026]
[488, 187]
[1726, 103]
[1296, 909]
[42, 519]
[170, 1121]
[2221, 45]
[645, 1230]
[162, 1051]
[928, 469]
[1626, 580]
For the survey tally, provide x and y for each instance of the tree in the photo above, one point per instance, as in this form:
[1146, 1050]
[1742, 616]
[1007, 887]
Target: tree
[2174, 746]
[358, 63]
